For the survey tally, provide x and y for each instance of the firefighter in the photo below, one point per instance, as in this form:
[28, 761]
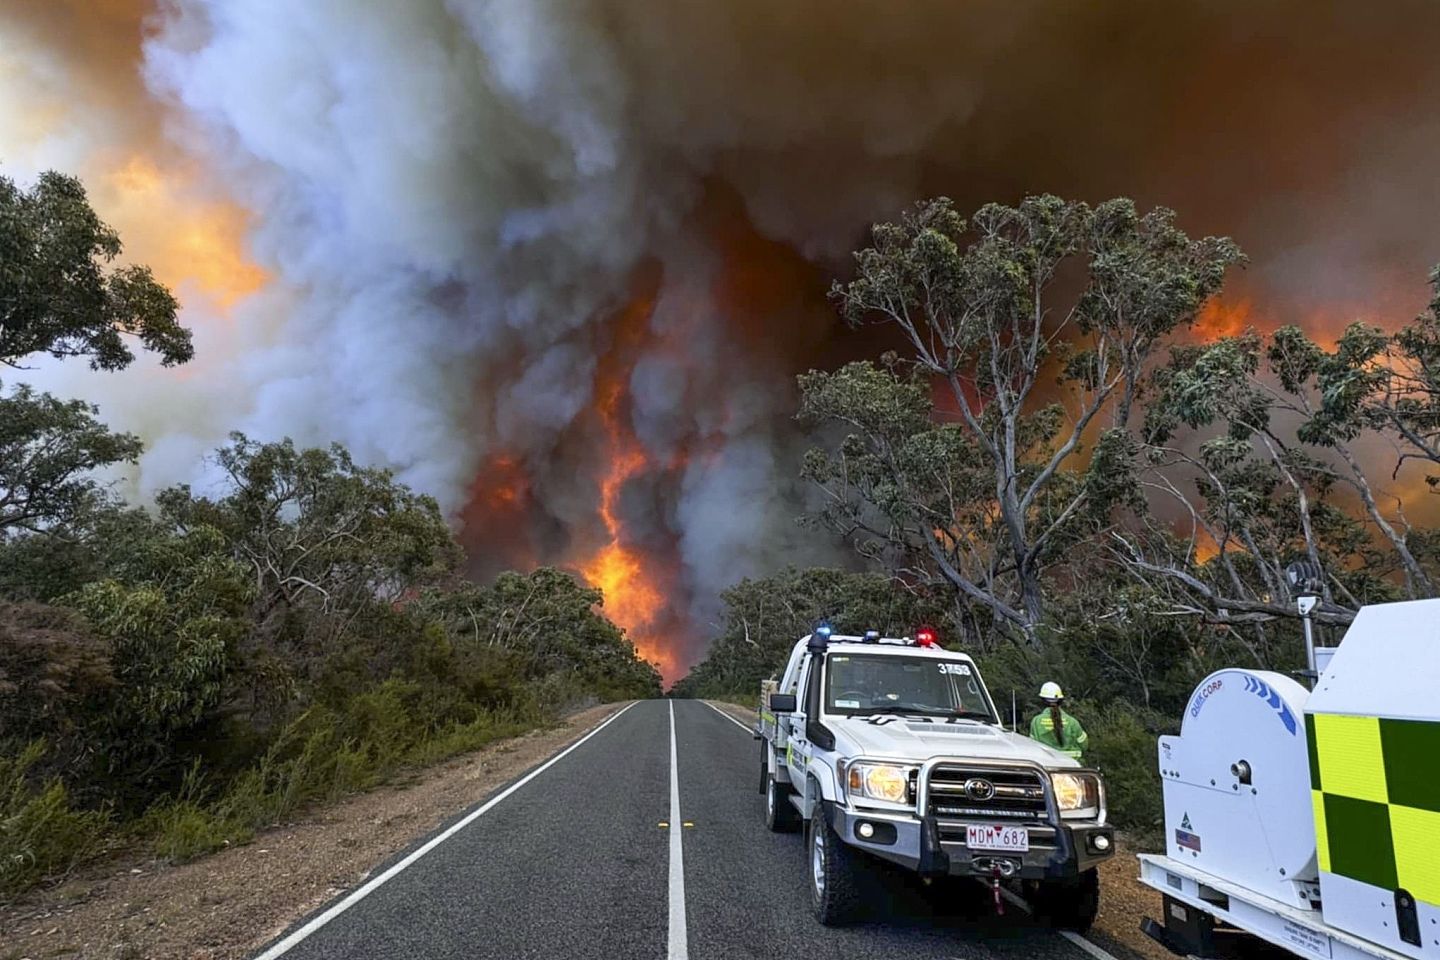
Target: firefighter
[1056, 728]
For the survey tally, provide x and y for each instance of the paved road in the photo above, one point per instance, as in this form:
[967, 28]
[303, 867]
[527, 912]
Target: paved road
[574, 862]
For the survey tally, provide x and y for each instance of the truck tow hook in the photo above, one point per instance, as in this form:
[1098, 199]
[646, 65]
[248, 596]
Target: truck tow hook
[995, 889]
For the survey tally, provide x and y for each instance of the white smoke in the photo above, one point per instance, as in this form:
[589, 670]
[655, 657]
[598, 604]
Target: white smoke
[457, 195]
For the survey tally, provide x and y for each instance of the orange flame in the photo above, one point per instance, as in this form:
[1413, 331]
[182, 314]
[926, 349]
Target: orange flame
[505, 485]
[500, 504]
[1206, 549]
[1224, 318]
[634, 600]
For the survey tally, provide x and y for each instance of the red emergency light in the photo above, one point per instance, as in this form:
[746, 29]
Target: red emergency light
[926, 637]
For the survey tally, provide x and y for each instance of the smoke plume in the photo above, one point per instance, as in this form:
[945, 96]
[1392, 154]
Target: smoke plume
[555, 261]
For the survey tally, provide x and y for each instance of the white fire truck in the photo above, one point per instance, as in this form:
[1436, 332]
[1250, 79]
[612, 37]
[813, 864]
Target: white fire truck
[1310, 819]
[891, 749]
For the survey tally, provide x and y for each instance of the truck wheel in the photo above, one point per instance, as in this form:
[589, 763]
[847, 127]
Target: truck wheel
[1070, 903]
[780, 814]
[835, 873]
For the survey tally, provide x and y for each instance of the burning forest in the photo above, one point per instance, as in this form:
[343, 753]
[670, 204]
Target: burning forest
[558, 265]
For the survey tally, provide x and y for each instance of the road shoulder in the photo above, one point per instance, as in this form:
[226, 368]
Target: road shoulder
[230, 904]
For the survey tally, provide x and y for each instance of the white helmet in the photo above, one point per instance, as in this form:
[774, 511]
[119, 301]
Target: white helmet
[1051, 691]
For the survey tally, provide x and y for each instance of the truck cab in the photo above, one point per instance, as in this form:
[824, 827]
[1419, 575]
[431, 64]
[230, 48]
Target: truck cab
[891, 749]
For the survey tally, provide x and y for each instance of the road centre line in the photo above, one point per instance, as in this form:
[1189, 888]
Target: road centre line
[679, 942]
[361, 892]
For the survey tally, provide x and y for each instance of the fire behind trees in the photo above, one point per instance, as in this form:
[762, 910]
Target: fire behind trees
[1078, 433]
[1054, 473]
[1060, 475]
[299, 629]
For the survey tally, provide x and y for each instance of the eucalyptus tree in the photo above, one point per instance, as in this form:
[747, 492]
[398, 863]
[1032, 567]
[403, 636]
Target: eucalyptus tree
[1000, 437]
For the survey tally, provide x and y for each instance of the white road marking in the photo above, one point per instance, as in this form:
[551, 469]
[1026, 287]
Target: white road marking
[679, 941]
[727, 716]
[360, 893]
[1096, 951]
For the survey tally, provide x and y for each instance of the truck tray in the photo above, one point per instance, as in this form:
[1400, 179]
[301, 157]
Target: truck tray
[1301, 932]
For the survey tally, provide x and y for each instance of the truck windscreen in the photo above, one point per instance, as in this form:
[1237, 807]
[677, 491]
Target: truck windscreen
[859, 684]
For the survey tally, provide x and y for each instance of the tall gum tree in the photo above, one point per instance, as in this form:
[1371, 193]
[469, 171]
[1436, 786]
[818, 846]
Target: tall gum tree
[1035, 324]
[62, 295]
[1277, 449]
[58, 292]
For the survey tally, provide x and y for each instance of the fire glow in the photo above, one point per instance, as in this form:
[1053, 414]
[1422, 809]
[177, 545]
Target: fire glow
[633, 596]
[632, 600]
[446, 232]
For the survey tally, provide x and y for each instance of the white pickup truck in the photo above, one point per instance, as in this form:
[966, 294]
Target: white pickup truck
[892, 748]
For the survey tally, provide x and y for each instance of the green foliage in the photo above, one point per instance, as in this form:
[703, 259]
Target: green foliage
[54, 675]
[170, 667]
[1373, 381]
[301, 635]
[181, 830]
[1123, 745]
[57, 296]
[49, 450]
[520, 615]
[1254, 440]
[321, 538]
[41, 834]
[989, 492]
[322, 755]
[174, 611]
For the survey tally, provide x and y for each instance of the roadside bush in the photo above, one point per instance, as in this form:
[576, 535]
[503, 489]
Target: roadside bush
[321, 756]
[182, 830]
[1123, 744]
[54, 679]
[41, 834]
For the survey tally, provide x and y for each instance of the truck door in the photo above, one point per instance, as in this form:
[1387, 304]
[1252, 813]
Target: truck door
[797, 747]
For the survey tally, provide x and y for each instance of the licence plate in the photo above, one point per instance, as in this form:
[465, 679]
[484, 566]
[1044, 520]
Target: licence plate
[997, 837]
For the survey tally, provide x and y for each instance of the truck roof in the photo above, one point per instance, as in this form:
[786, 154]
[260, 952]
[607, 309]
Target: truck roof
[884, 646]
[895, 645]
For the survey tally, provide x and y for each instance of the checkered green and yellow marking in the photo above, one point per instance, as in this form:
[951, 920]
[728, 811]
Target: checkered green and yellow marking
[1376, 798]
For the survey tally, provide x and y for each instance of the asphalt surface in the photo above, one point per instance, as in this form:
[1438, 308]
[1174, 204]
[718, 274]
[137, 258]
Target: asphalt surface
[576, 863]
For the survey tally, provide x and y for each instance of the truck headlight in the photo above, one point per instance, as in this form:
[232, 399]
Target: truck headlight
[879, 781]
[1077, 795]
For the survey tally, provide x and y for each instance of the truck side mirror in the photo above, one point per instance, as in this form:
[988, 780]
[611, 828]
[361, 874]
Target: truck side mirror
[782, 703]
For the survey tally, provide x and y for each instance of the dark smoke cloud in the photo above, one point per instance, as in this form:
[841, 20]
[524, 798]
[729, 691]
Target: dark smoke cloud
[457, 198]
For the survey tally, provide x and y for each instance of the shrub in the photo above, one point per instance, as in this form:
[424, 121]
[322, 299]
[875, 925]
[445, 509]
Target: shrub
[54, 679]
[322, 755]
[182, 830]
[1123, 745]
[41, 835]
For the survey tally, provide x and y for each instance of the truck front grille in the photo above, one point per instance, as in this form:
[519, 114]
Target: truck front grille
[1018, 795]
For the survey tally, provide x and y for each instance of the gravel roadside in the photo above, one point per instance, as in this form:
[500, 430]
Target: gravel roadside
[229, 904]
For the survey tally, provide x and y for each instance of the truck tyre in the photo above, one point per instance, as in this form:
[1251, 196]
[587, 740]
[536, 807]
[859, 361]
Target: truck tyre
[780, 814]
[1070, 903]
[834, 871]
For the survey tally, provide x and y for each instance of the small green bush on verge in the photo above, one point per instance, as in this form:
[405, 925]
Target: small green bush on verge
[321, 756]
[183, 830]
[1122, 744]
[41, 835]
